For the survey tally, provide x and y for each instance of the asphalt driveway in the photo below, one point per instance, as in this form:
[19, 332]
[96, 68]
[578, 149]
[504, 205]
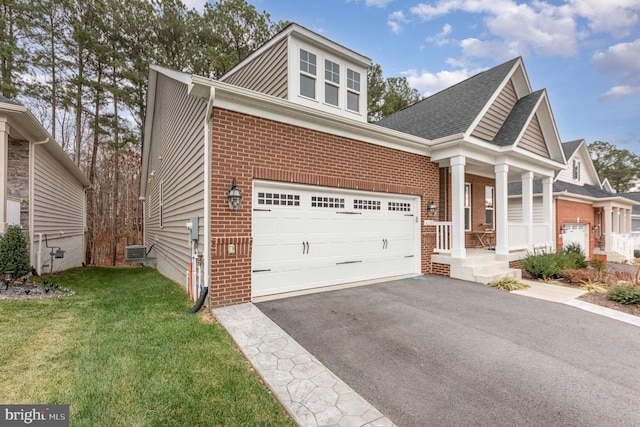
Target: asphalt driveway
[439, 351]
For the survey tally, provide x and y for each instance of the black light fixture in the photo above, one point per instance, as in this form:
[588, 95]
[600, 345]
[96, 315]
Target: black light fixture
[431, 208]
[234, 197]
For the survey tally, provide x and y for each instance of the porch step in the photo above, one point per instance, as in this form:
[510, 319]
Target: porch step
[483, 269]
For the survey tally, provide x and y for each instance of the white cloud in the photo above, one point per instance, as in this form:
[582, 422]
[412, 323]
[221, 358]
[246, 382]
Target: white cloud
[618, 92]
[373, 3]
[395, 21]
[378, 3]
[497, 49]
[441, 38]
[429, 83]
[623, 58]
[537, 26]
[610, 16]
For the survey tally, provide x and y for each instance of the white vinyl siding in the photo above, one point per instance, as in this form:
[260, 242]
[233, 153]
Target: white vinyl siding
[578, 160]
[533, 139]
[490, 124]
[515, 210]
[177, 159]
[266, 73]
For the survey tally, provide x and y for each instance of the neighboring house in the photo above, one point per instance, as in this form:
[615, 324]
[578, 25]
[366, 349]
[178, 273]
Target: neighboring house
[586, 212]
[635, 217]
[328, 198]
[41, 190]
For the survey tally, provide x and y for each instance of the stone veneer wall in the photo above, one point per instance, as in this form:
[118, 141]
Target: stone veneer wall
[18, 177]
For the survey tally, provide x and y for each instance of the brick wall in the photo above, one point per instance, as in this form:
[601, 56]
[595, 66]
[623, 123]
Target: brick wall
[248, 147]
[569, 211]
[441, 269]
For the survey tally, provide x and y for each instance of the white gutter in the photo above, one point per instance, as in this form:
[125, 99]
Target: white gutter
[38, 255]
[206, 261]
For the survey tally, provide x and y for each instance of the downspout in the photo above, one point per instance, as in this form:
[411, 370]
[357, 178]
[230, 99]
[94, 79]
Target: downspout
[37, 259]
[206, 262]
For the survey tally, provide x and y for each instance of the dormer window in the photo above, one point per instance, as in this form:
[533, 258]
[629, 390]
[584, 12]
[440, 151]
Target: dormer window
[576, 170]
[307, 74]
[331, 82]
[353, 90]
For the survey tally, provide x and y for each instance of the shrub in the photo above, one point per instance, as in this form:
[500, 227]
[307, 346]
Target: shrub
[13, 252]
[592, 287]
[598, 264]
[624, 294]
[541, 266]
[573, 248]
[571, 259]
[508, 284]
[577, 276]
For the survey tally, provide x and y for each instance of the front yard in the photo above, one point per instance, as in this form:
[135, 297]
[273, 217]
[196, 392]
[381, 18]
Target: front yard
[122, 352]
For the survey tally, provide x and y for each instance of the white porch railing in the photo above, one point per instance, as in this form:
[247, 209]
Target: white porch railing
[13, 211]
[541, 235]
[622, 244]
[635, 235]
[517, 236]
[443, 236]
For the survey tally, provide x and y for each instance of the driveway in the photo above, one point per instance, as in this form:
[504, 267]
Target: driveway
[439, 351]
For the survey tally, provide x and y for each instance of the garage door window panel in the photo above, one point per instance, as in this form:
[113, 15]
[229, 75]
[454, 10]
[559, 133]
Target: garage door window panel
[370, 205]
[278, 199]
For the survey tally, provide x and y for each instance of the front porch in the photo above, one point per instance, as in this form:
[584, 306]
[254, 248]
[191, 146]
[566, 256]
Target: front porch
[480, 265]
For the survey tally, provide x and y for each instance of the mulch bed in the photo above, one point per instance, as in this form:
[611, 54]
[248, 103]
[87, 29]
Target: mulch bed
[21, 291]
[601, 299]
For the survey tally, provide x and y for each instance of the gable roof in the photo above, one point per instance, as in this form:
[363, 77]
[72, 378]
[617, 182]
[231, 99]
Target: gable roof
[6, 100]
[517, 119]
[453, 110]
[306, 35]
[570, 147]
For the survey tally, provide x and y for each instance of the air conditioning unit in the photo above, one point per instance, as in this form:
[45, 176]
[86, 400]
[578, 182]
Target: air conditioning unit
[135, 252]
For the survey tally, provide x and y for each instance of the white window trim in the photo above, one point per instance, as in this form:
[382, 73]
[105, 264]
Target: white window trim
[331, 82]
[356, 92]
[314, 77]
[492, 208]
[468, 208]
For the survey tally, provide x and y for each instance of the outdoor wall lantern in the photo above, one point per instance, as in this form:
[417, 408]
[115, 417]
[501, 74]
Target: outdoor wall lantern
[234, 197]
[595, 228]
[431, 208]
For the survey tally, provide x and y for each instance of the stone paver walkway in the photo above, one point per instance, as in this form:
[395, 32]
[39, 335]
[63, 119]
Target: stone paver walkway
[312, 394]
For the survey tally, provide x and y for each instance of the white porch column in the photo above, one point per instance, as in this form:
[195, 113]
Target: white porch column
[547, 210]
[502, 193]
[4, 166]
[457, 207]
[608, 227]
[527, 205]
[616, 220]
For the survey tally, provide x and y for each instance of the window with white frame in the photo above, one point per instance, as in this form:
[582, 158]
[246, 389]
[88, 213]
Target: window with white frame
[489, 197]
[353, 90]
[331, 82]
[307, 74]
[161, 204]
[467, 206]
[576, 169]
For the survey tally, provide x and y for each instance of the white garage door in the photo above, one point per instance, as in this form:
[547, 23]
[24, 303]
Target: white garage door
[306, 237]
[576, 234]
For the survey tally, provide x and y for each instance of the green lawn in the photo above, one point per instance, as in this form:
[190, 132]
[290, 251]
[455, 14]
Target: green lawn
[122, 353]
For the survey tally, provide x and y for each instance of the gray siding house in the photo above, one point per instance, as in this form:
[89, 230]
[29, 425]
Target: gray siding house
[41, 190]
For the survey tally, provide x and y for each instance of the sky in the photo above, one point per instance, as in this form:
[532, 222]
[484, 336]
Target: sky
[585, 53]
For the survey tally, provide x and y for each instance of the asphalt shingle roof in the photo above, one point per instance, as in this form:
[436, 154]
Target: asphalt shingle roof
[635, 196]
[515, 188]
[516, 120]
[570, 147]
[6, 100]
[452, 110]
